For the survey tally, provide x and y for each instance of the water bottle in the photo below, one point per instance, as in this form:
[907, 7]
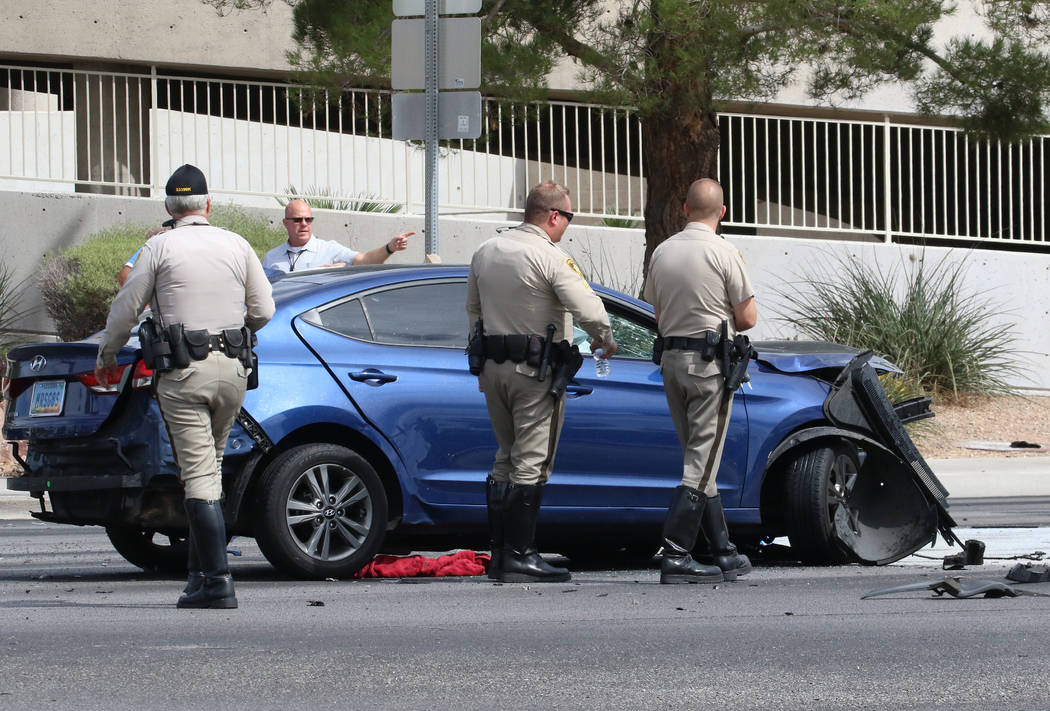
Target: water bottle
[601, 365]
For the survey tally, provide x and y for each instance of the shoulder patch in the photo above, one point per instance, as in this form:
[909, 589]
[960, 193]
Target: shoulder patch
[572, 265]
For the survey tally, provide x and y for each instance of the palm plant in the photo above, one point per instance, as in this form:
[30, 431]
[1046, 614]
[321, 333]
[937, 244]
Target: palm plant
[922, 317]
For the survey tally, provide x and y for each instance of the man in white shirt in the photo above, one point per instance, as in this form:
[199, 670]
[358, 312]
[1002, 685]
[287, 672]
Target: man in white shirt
[304, 251]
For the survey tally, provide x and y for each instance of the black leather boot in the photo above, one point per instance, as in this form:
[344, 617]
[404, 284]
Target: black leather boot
[194, 575]
[209, 534]
[522, 563]
[496, 498]
[681, 527]
[716, 532]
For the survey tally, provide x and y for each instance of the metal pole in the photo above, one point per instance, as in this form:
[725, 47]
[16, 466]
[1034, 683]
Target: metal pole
[430, 51]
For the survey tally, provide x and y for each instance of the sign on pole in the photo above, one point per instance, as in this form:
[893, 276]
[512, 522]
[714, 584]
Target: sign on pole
[432, 54]
[410, 8]
[459, 53]
[459, 115]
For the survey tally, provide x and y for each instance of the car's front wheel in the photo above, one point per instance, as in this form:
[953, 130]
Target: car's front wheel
[817, 484]
[321, 512]
[152, 551]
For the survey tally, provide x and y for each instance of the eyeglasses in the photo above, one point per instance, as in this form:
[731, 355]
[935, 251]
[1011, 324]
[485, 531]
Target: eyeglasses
[567, 215]
[307, 220]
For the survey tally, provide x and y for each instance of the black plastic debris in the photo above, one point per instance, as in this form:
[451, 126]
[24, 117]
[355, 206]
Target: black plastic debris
[895, 505]
[1028, 573]
[972, 554]
[957, 587]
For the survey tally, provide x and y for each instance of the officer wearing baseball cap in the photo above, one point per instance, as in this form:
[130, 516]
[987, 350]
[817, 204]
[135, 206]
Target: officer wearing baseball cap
[205, 285]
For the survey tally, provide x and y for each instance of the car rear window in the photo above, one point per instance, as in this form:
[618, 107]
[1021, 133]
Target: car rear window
[432, 314]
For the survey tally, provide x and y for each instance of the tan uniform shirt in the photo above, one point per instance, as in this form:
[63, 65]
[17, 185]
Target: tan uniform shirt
[520, 281]
[695, 279]
[201, 276]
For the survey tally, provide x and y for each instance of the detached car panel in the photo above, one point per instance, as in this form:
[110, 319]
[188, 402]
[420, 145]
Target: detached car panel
[367, 432]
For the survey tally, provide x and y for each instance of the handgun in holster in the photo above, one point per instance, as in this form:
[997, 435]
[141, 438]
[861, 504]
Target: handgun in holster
[156, 351]
[240, 343]
[741, 353]
[476, 349]
[565, 362]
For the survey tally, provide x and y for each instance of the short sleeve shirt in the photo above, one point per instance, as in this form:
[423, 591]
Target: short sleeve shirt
[285, 258]
[695, 279]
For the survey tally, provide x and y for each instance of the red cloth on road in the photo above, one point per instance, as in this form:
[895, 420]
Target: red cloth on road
[411, 566]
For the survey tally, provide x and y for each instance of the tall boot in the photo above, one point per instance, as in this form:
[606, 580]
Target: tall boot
[496, 498]
[209, 533]
[681, 527]
[194, 575]
[713, 524]
[522, 563]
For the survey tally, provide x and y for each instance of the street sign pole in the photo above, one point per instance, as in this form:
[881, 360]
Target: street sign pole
[431, 86]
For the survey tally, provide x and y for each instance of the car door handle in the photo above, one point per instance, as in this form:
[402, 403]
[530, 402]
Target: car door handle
[371, 375]
[574, 390]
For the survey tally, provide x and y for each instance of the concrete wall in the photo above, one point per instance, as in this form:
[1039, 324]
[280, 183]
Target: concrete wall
[1020, 282]
[186, 34]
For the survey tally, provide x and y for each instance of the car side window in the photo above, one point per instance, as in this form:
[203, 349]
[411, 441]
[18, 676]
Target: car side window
[347, 318]
[419, 315]
[634, 338]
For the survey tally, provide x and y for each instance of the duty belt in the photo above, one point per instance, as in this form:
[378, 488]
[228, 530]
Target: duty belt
[706, 346]
[516, 348]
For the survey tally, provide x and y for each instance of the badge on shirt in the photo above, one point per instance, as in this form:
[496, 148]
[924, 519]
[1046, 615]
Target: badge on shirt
[572, 266]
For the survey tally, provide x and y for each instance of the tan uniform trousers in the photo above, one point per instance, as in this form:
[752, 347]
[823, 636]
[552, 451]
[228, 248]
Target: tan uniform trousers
[700, 407]
[527, 422]
[199, 404]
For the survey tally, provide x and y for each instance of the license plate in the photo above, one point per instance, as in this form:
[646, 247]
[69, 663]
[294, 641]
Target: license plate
[48, 398]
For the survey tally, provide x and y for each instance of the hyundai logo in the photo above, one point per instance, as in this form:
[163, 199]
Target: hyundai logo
[38, 363]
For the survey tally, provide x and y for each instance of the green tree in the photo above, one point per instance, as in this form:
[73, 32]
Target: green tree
[678, 61]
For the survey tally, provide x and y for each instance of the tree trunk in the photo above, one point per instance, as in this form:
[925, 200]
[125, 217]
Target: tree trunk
[677, 150]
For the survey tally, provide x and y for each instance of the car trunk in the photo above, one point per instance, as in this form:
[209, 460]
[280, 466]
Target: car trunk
[51, 392]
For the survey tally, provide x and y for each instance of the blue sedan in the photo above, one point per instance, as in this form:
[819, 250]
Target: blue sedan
[367, 433]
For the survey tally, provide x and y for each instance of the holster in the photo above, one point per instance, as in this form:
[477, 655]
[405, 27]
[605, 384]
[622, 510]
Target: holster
[741, 352]
[658, 350]
[565, 363]
[240, 343]
[156, 351]
[476, 349]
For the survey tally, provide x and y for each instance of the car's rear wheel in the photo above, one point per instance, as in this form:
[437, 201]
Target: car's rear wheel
[150, 550]
[321, 512]
[815, 487]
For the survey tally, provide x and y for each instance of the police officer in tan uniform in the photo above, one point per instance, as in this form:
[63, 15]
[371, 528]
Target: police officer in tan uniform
[520, 283]
[211, 282]
[696, 280]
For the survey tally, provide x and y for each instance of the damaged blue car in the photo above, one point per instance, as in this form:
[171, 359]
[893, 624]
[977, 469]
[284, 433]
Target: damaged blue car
[367, 433]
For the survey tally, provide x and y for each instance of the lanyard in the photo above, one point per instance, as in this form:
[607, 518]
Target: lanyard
[291, 261]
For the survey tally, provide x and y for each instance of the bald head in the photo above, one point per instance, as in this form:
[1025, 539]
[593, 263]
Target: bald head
[703, 202]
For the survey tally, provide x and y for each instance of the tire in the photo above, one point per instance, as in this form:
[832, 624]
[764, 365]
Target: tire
[307, 538]
[815, 480]
[148, 550]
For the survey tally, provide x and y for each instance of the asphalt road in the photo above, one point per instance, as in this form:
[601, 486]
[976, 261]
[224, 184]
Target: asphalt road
[81, 629]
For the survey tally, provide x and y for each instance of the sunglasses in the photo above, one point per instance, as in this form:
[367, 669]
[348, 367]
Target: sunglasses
[307, 220]
[567, 215]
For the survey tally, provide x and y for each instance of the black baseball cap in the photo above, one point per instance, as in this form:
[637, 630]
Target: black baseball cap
[187, 180]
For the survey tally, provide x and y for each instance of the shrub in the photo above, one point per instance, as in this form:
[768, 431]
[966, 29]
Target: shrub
[79, 283]
[11, 311]
[325, 199]
[920, 317]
